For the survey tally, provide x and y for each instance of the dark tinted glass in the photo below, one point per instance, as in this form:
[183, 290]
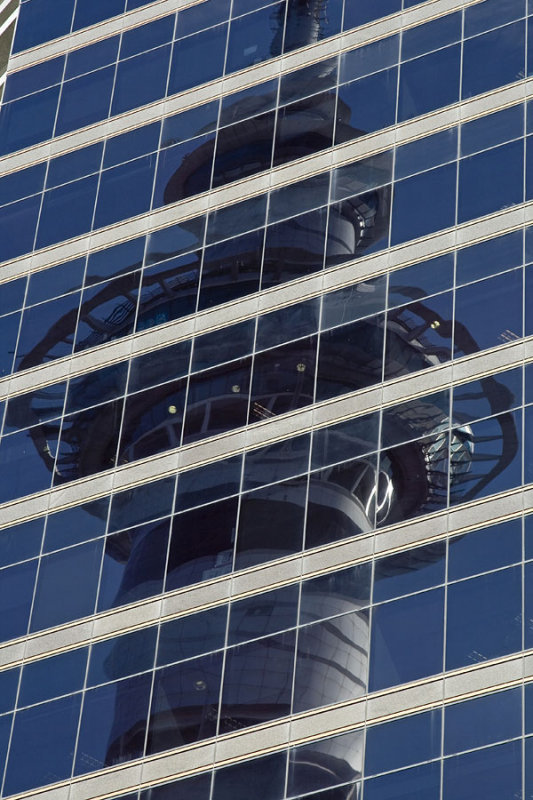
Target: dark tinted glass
[192, 635]
[403, 742]
[52, 677]
[484, 720]
[484, 550]
[407, 639]
[484, 618]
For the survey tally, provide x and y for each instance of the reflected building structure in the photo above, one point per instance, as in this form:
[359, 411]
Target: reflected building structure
[353, 612]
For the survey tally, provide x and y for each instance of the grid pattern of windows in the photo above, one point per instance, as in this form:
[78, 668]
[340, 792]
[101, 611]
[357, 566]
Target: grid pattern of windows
[303, 113]
[399, 575]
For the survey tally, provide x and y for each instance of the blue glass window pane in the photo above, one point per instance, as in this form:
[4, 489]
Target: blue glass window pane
[17, 227]
[122, 656]
[188, 124]
[36, 24]
[192, 635]
[53, 677]
[276, 462]
[491, 310]
[432, 36]
[331, 667]
[74, 165]
[202, 15]
[197, 59]
[423, 204]
[55, 281]
[429, 82]
[359, 12]
[227, 344]
[71, 573]
[257, 682]
[493, 59]
[85, 100]
[67, 211]
[484, 618]
[502, 392]
[28, 121]
[196, 788]
[174, 183]
[134, 565]
[492, 129]
[114, 261]
[141, 504]
[8, 690]
[146, 37]
[418, 783]
[197, 486]
[159, 366]
[8, 331]
[131, 144]
[113, 724]
[103, 384]
[48, 732]
[484, 550]
[300, 197]
[492, 14]
[491, 180]
[344, 441]
[488, 258]
[492, 773]
[422, 279]
[5, 733]
[94, 56]
[33, 79]
[255, 779]
[76, 525]
[328, 594]
[410, 571]
[402, 742]
[528, 602]
[12, 297]
[483, 720]
[407, 639]
[372, 58]
[263, 614]
[293, 86]
[426, 153]
[125, 191]
[288, 323]
[21, 465]
[185, 703]
[89, 12]
[211, 553]
[16, 593]
[19, 542]
[22, 183]
[226, 223]
[250, 40]
[175, 240]
[37, 321]
[357, 113]
[528, 697]
[529, 767]
[141, 80]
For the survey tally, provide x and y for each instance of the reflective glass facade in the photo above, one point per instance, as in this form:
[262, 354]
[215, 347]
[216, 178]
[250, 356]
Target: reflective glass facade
[266, 400]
